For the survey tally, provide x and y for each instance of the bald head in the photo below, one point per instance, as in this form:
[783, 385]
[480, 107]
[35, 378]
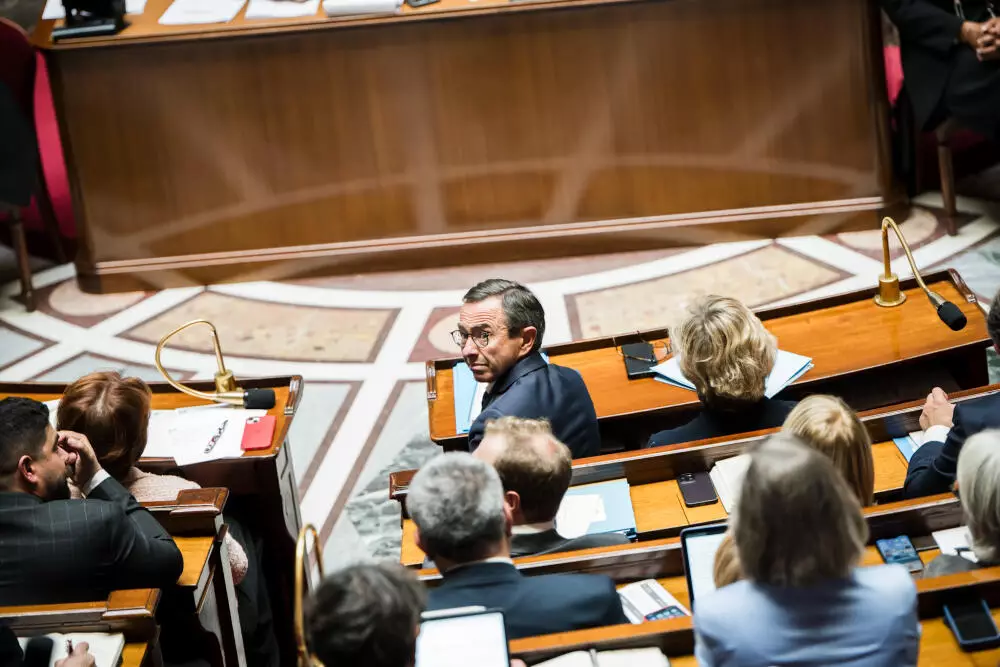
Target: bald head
[532, 464]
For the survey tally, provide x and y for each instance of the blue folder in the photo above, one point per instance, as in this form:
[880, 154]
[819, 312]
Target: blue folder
[620, 517]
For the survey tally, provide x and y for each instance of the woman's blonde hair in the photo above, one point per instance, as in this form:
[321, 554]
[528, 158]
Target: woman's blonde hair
[830, 427]
[979, 488]
[724, 350]
[797, 523]
[726, 568]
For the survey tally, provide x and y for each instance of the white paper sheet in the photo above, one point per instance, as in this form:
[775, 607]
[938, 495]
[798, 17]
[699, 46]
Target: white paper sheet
[281, 9]
[788, 367]
[576, 513]
[54, 8]
[158, 442]
[194, 12]
[727, 478]
[356, 7]
[53, 407]
[192, 431]
[106, 648]
[955, 542]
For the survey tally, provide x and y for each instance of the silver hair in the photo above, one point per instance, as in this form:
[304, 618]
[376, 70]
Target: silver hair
[456, 501]
[979, 487]
[520, 306]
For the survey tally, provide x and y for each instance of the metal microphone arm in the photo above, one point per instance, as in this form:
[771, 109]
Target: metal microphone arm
[889, 293]
[226, 390]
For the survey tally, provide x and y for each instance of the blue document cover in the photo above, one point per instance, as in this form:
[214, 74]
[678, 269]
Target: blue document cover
[906, 446]
[593, 509]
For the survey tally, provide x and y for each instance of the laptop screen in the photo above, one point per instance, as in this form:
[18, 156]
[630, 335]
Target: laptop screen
[699, 546]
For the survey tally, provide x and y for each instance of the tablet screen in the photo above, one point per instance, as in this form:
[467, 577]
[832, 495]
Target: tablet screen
[460, 641]
[699, 555]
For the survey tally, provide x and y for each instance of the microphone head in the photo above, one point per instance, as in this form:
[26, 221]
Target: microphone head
[38, 652]
[952, 316]
[263, 399]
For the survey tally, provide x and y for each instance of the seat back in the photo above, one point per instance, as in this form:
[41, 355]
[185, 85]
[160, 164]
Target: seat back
[17, 66]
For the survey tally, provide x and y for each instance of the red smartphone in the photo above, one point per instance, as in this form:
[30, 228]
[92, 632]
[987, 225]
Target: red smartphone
[258, 433]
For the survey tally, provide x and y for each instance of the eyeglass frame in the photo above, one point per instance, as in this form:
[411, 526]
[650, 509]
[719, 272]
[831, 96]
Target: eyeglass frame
[667, 349]
[466, 336]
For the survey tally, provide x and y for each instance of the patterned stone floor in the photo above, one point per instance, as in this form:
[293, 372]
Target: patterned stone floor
[360, 340]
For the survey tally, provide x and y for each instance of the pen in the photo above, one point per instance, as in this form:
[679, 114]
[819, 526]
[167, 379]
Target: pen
[215, 438]
[69, 647]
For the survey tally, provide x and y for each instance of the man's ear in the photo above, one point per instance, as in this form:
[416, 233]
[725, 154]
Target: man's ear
[528, 336]
[26, 469]
[508, 520]
[513, 501]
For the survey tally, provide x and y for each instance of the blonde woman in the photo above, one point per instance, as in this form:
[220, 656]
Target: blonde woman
[800, 534]
[979, 488]
[727, 354]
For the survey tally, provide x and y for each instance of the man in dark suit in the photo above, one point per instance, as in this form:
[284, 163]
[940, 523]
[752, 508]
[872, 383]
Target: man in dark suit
[500, 330]
[535, 470]
[53, 549]
[946, 426]
[951, 60]
[462, 523]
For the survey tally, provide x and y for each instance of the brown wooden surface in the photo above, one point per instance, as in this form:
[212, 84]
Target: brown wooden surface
[261, 484]
[130, 612]
[675, 637]
[659, 507]
[844, 335]
[280, 148]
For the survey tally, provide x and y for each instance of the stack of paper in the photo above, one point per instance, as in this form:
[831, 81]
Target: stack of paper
[955, 542]
[593, 509]
[192, 12]
[788, 367]
[281, 9]
[632, 657]
[727, 478]
[106, 648]
[186, 434]
[357, 7]
[54, 8]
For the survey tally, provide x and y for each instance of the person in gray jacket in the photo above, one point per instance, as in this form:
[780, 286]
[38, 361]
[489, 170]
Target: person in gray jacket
[800, 535]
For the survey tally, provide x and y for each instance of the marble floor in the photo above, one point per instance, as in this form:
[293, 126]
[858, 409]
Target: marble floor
[360, 341]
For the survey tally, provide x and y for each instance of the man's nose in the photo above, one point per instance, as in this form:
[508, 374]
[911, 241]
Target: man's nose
[469, 348]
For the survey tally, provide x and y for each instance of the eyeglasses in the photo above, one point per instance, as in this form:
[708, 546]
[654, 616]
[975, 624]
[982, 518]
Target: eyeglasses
[661, 350]
[481, 339]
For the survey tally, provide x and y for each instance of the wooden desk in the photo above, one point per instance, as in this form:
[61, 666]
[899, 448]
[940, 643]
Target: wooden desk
[262, 490]
[675, 636]
[859, 352]
[465, 131]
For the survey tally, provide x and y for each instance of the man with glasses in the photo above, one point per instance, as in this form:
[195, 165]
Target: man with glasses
[500, 329]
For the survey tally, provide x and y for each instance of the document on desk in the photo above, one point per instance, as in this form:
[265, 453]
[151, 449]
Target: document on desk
[360, 7]
[788, 367]
[54, 9]
[193, 12]
[909, 444]
[955, 542]
[628, 657]
[106, 648]
[727, 478]
[281, 9]
[194, 435]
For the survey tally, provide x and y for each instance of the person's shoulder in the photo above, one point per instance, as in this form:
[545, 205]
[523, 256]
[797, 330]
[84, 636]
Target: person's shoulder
[731, 606]
[575, 586]
[890, 586]
[985, 410]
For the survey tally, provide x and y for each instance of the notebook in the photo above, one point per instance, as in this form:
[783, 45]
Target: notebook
[106, 648]
[955, 542]
[727, 478]
[633, 657]
[909, 443]
[788, 367]
[594, 509]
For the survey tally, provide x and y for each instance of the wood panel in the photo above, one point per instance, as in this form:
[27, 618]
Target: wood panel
[857, 349]
[523, 129]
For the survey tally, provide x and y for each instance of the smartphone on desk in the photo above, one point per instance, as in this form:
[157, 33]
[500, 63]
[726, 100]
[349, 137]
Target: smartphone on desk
[697, 489]
[899, 550]
[972, 624]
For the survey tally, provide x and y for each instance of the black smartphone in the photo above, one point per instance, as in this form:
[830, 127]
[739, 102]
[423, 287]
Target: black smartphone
[899, 550]
[697, 489]
[972, 624]
[639, 360]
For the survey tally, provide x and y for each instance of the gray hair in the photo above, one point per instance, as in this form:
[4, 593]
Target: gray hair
[797, 521]
[521, 307]
[457, 502]
[993, 320]
[979, 488]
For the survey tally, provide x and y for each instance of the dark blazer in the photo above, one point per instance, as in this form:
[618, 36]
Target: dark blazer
[534, 389]
[713, 423]
[932, 466]
[77, 550]
[937, 66]
[532, 606]
[551, 542]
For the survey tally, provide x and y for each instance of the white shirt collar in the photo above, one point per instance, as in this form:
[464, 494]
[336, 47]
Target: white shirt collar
[534, 528]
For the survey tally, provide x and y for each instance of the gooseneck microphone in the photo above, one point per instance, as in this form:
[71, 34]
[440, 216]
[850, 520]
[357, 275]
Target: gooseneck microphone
[889, 293]
[226, 389]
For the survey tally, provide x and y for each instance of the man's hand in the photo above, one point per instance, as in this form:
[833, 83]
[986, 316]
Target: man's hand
[988, 42]
[86, 465]
[938, 411]
[971, 32]
[78, 658]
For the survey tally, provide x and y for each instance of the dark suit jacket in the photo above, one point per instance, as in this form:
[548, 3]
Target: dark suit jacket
[534, 389]
[932, 466]
[551, 542]
[76, 550]
[712, 423]
[933, 59]
[536, 605]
